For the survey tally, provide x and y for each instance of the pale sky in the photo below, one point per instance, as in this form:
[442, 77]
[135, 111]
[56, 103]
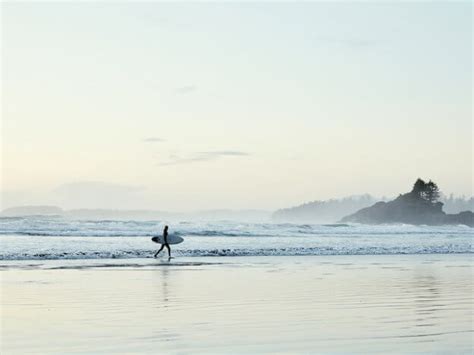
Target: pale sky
[183, 106]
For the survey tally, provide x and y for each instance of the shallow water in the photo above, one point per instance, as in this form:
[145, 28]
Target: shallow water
[344, 304]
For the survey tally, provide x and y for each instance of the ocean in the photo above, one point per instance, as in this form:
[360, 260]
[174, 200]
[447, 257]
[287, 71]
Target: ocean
[54, 237]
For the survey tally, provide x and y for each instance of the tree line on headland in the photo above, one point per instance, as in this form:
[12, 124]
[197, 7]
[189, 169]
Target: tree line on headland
[419, 206]
[335, 209]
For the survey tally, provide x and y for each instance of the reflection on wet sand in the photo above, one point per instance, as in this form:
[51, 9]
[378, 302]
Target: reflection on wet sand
[370, 304]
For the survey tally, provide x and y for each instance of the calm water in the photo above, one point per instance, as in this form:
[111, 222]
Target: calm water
[274, 304]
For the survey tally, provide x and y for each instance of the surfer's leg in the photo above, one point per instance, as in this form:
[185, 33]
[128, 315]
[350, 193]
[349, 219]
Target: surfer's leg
[169, 249]
[162, 246]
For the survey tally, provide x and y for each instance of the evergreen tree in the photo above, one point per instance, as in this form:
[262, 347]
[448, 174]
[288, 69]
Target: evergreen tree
[431, 192]
[419, 188]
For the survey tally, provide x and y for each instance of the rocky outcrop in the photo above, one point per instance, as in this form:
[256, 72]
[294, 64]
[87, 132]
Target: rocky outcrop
[409, 208]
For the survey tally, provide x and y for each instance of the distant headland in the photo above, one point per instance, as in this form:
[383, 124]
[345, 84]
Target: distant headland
[424, 204]
[419, 206]
[147, 215]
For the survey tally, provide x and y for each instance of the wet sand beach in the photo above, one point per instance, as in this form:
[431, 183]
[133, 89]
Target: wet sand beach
[273, 304]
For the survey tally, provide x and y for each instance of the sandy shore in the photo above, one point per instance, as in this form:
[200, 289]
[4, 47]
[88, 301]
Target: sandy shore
[343, 304]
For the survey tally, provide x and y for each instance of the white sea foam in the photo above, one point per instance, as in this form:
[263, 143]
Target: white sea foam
[60, 238]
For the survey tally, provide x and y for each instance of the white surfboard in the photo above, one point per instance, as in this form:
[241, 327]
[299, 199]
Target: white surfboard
[172, 239]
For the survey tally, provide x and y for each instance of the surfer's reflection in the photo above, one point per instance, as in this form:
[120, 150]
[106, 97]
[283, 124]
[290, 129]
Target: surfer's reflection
[164, 243]
[164, 274]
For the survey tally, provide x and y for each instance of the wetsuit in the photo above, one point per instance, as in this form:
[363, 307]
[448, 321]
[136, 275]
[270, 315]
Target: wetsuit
[165, 239]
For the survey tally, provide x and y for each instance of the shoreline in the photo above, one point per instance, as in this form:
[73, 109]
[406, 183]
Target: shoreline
[149, 262]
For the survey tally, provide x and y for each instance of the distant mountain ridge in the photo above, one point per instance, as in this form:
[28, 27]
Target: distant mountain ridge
[328, 211]
[31, 211]
[96, 214]
[324, 211]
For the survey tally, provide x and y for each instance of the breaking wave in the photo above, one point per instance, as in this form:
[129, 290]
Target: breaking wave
[60, 238]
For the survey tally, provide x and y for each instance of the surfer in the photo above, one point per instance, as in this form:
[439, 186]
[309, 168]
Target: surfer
[165, 244]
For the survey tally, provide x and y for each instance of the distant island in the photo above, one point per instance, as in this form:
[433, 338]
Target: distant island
[419, 206]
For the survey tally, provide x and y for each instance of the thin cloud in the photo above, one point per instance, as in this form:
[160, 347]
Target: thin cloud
[153, 140]
[187, 89]
[203, 156]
